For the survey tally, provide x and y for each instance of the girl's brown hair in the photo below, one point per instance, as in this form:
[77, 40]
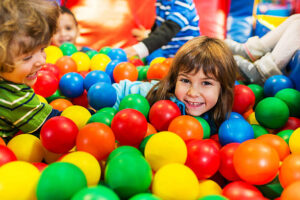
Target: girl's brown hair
[215, 59]
[24, 26]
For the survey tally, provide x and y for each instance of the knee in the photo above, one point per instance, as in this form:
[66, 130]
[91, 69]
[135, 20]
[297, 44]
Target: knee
[294, 17]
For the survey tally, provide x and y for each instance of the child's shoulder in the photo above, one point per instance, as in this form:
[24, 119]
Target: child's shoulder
[13, 87]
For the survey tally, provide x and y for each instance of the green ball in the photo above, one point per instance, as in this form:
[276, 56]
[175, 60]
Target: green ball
[68, 48]
[143, 143]
[140, 77]
[123, 150]
[57, 95]
[97, 193]
[142, 72]
[105, 50]
[102, 117]
[213, 197]
[137, 102]
[145, 196]
[91, 53]
[292, 99]
[258, 130]
[205, 126]
[128, 175]
[272, 113]
[112, 111]
[258, 92]
[60, 181]
[271, 190]
[285, 135]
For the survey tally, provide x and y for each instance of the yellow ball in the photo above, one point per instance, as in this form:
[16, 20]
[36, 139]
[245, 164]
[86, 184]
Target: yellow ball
[175, 181]
[53, 53]
[82, 60]
[78, 114]
[99, 62]
[157, 60]
[87, 163]
[294, 142]
[209, 187]
[27, 147]
[164, 148]
[251, 119]
[18, 180]
[42, 99]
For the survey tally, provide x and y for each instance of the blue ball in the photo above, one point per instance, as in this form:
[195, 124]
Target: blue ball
[110, 68]
[276, 83]
[101, 95]
[117, 54]
[235, 115]
[95, 76]
[235, 130]
[71, 85]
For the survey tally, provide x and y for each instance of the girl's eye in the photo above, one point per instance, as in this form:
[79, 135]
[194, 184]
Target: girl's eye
[27, 58]
[206, 83]
[68, 28]
[184, 80]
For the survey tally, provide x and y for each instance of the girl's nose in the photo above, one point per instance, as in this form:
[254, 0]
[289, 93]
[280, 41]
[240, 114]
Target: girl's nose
[193, 91]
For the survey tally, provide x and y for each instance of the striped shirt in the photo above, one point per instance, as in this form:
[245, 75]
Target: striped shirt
[20, 109]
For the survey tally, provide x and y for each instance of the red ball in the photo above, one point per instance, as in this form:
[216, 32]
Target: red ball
[244, 99]
[82, 100]
[162, 113]
[203, 158]
[97, 139]
[52, 68]
[41, 166]
[46, 84]
[137, 62]
[129, 126]
[58, 134]
[125, 70]
[292, 124]
[226, 167]
[6, 155]
[239, 190]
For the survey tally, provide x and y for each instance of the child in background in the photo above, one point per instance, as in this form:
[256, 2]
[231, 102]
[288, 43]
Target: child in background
[26, 28]
[270, 54]
[200, 81]
[176, 23]
[67, 28]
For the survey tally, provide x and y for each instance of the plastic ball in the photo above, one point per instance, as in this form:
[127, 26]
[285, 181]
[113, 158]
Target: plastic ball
[82, 60]
[142, 70]
[292, 98]
[235, 115]
[78, 114]
[129, 127]
[276, 83]
[205, 126]
[137, 102]
[209, 187]
[71, 85]
[258, 130]
[105, 50]
[60, 104]
[101, 95]
[144, 196]
[292, 124]
[97, 139]
[42, 99]
[175, 181]
[285, 135]
[251, 119]
[102, 117]
[272, 113]
[117, 54]
[157, 71]
[57, 95]
[291, 192]
[125, 70]
[68, 48]
[82, 100]
[150, 130]
[40, 165]
[65, 65]
[157, 60]
[46, 83]
[294, 141]
[235, 130]
[27, 148]
[128, 150]
[87, 163]
[63, 180]
[158, 152]
[256, 162]
[91, 53]
[227, 169]
[51, 68]
[6, 155]
[99, 62]
[244, 99]
[110, 68]
[162, 113]
[137, 62]
[290, 170]
[53, 53]
[18, 180]
[213, 197]
[258, 92]
[99, 192]
[143, 143]
[134, 175]
[95, 76]
[110, 110]
[58, 134]
[187, 127]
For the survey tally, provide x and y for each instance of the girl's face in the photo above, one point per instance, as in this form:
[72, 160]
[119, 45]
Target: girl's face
[26, 67]
[67, 30]
[198, 92]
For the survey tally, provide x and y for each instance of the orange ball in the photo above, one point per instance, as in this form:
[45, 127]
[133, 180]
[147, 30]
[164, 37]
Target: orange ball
[60, 104]
[256, 162]
[157, 71]
[277, 143]
[65, 65]
[290, 170]
[150, 130]
[168, 61]
[187, 127]
[2, 142]
[125, 70]
[291, 192]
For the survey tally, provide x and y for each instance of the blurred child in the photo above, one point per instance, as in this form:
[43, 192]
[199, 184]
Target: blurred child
[67, 30]
[200, 81]
[26, 28]
[270, 54]
[176, 23]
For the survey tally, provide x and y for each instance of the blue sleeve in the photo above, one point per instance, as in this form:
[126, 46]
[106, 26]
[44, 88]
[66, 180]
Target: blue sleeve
[126, 87]
[181, 12]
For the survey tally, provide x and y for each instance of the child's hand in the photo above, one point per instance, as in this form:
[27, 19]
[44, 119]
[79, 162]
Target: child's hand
[140, 33]
[130, 52]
